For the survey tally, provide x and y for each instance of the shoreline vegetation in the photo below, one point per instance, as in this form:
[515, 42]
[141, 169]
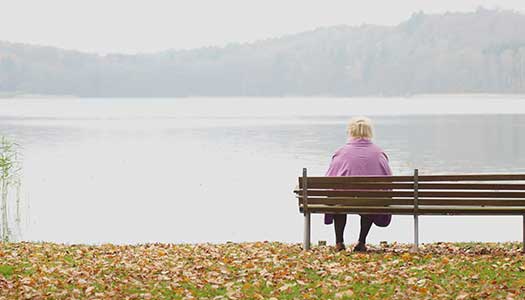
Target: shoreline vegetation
[260, 270]
[10, 183]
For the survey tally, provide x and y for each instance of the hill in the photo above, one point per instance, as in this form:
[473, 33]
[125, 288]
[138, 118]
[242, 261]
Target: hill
[478, 52]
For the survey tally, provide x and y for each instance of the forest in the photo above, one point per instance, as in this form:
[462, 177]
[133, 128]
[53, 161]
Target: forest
[476, 52]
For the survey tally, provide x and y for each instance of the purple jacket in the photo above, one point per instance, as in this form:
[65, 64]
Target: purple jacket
[358, 157]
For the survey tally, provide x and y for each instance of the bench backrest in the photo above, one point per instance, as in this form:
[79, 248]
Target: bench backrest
[486, 193]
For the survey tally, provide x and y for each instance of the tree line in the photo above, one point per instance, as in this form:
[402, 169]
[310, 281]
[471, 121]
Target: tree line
[477, 52]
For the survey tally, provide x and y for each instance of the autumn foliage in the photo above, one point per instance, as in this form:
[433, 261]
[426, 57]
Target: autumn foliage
[260, 271]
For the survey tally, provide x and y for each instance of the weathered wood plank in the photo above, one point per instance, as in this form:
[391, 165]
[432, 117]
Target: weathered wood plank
[360, 185]
[357, 209]
[423, 210]
[312, 181]
[356, 201]
[408, 194]
[422, 201]
[471, 186]
[422, 178]
[473, 177]
[473, 202]
[410, 186]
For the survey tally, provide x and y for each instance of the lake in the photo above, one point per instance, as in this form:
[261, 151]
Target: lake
[216, 170]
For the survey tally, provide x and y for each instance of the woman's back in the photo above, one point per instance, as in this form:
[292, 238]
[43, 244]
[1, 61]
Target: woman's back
[359, 157]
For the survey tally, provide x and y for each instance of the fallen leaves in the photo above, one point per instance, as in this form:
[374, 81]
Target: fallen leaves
[260, 270]
[462, 296]
[344, 294]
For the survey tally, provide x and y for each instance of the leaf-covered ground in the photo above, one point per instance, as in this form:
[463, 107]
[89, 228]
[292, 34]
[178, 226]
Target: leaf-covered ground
[260, 271]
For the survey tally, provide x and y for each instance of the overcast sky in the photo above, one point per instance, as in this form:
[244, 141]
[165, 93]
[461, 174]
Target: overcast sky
[130, 26]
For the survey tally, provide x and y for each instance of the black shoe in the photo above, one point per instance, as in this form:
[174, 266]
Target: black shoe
[360, 247]
[340, 247]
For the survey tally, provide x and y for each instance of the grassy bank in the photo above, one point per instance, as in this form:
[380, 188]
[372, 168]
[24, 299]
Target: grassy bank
[259, 271]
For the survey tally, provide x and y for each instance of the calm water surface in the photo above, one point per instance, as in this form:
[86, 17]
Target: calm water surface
[216, 170]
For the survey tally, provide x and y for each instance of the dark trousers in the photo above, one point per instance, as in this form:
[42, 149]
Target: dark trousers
[366, 224]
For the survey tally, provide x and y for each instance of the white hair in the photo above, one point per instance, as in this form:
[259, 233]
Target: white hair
[360, 127]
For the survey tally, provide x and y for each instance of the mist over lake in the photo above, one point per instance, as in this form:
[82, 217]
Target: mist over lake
[223, 169]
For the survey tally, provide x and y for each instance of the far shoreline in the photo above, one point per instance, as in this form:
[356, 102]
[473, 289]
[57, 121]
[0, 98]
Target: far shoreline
[284, 97]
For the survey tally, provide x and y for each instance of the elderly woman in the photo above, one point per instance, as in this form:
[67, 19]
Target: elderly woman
[358, 157]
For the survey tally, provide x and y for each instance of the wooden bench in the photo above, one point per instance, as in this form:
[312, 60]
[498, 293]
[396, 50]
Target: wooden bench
[417, 195]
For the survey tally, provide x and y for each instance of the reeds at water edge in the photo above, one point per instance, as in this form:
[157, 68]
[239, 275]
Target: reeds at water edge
[10, 180]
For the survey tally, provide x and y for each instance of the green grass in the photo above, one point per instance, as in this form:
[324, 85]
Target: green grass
[260, 271]
[6, 270]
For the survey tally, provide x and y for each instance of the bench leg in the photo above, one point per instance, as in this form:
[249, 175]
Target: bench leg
[306, 242]
[416, 232]
[523, 245]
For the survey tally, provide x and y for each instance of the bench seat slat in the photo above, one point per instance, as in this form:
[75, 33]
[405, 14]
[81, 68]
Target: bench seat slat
[358, 209]
[422, 210]
[421, 201]
[356, 201]
[410, 186]
[422, 194]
